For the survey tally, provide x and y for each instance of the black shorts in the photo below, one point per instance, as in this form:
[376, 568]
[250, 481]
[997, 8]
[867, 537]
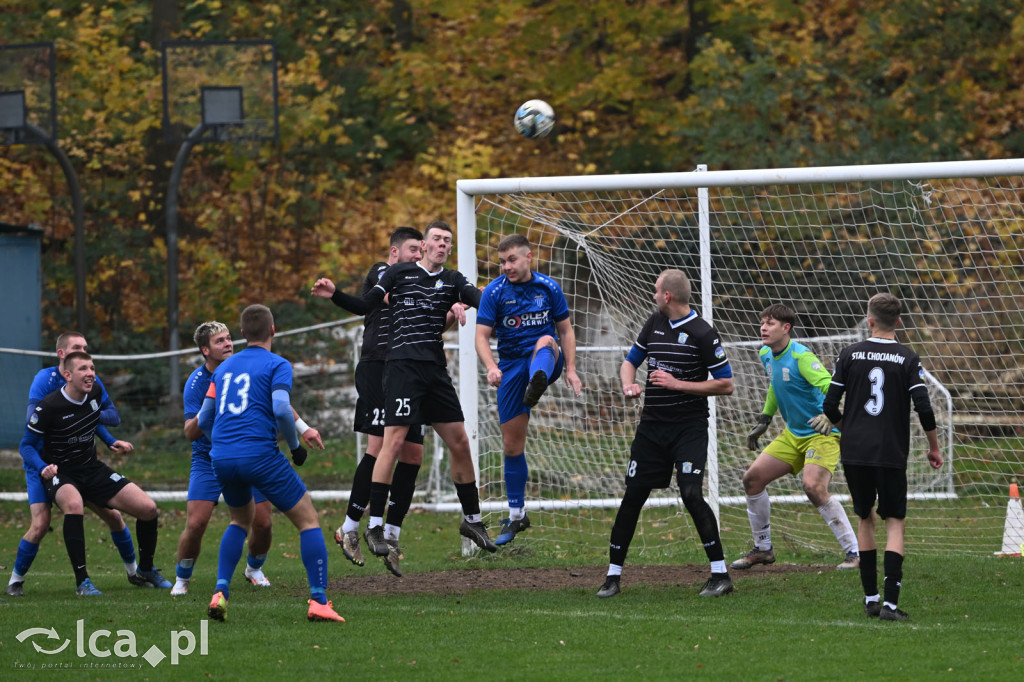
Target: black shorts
[95, 482]
[369, 418]
[417, 392]
[659, 448]
[868, 483]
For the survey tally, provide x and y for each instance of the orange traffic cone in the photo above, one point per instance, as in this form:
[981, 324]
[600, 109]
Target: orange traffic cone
[1013, 530]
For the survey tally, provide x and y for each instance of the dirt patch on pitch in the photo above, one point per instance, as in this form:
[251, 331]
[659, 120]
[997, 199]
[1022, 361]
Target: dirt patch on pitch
[588, 577]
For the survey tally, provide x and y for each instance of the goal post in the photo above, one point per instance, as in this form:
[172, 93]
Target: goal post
[948, 238]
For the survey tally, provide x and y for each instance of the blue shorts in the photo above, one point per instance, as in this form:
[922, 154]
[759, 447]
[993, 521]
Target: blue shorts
[515, 375]
[271, 474]
[203, 483]
[36, 489]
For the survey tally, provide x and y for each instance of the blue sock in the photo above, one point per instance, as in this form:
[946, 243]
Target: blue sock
[184, 569]
[255, 562]
[314, 558]
[516, 473]
[231, 546]
[26, 555]
[123, 540]
[544, 361]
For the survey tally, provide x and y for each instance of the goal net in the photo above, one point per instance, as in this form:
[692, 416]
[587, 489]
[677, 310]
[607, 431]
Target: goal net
[946, 238]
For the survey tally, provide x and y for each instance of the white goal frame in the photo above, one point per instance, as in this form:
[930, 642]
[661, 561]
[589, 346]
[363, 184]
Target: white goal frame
[702, 181]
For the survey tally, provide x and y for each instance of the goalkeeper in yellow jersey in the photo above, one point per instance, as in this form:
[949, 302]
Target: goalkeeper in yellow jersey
[797, 386]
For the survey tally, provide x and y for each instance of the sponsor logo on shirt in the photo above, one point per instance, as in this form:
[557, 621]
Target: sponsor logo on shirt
[535, 319]
[407, 277]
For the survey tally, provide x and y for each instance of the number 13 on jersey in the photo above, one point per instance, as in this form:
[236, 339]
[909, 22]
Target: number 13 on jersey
[234, 393]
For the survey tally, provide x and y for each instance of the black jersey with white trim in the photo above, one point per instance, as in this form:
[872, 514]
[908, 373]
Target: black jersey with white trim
[420, 302]
[878, 377]
[688, 349]
[376, 322]
[68, 428]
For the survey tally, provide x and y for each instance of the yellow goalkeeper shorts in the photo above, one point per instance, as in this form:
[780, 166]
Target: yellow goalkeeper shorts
[796, 451]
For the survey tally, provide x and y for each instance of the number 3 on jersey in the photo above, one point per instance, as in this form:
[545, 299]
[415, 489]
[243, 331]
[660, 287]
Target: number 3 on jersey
[240, 399]
[876, 402]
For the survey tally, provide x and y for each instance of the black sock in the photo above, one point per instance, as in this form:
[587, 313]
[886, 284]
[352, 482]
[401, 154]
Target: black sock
[893, 564]
[691, 490]
[869, 571]
[403, 485]
[145, 532]
[379, 498]
[74, 543]
[360, 496]
[625, 523]
[469, 497]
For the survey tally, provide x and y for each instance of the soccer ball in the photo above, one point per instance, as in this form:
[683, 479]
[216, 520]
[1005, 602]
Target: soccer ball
[534, 119]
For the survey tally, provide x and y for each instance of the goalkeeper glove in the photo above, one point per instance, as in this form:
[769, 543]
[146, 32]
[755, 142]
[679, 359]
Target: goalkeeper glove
[762, 425]
[299, 455]
[821, 424]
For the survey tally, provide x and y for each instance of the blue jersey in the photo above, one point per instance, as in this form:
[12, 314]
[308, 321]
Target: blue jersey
[195, 391]
[242, 388]
[797, 388]
[522, 313]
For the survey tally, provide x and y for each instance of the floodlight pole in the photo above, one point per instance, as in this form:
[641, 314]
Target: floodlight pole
[78, 213]
[172, 256]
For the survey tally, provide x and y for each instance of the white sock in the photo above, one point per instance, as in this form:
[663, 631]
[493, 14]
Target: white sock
[759, 512]
[131, 567]
[871, 600]
[614, 569]
[516, 513]
[15, 578]
[889, 605]
[718, 566]
[392, 532]
[473, 518]
[349, 525]
[375, 521]
[839, 522]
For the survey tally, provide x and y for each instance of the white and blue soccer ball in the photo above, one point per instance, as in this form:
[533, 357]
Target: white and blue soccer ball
[534, 119]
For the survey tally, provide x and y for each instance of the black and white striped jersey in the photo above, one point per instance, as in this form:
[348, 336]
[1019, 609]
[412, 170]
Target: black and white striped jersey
[68, 428]
[420, 302]
[688, 349]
